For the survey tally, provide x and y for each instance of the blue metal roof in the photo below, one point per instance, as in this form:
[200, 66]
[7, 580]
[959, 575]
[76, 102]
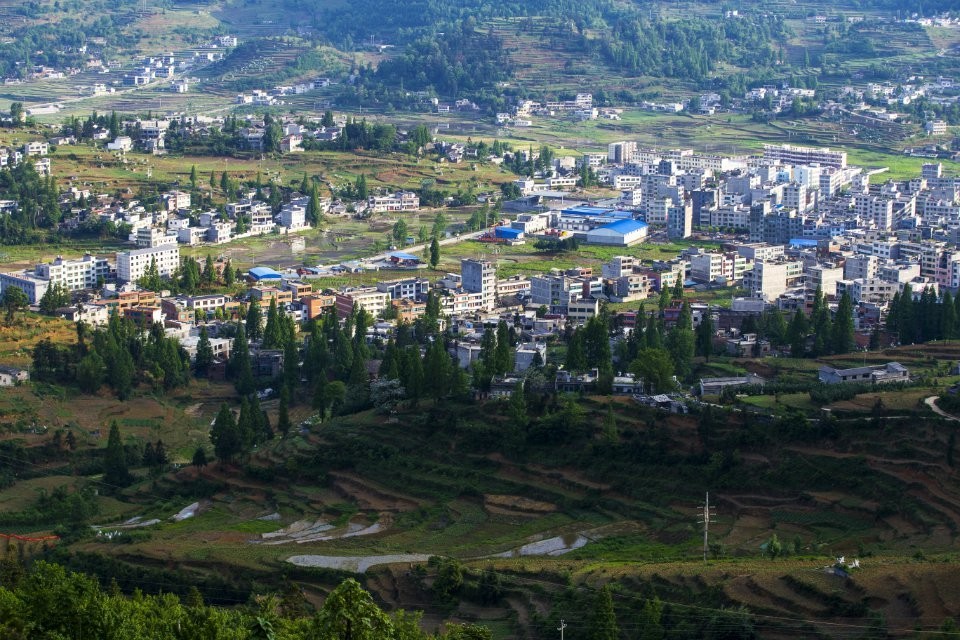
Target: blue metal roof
[508, 232]
[264, 272]
[400, 255]
[802, 242]
[586, 211]
[624, 226]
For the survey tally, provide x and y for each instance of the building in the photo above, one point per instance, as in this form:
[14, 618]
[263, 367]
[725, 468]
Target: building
[293, 217]
[399, 201]
[132, 265]
[794, 155]
[526, 355]
[12, 376]
[680, 220]
[150, 237]
[411, 288]
[31, 285]
[879, 374]
[480, 276]
[370, 299]
[768, 279]
[264, 274]
[715, 386]
[622, 233]
[86, 273]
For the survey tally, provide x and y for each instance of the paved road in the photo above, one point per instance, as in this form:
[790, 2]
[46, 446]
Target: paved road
[931, 402]
[415, 248]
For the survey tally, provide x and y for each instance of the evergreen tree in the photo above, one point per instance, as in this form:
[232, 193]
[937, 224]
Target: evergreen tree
[115, 471]
[273, 333]
[842, 328]
[283, 417]
[603, 619]
[797, 334]
[681, 342]
[503, 355]
[199, 459]
[434, 252]
[576, 352]
[254, 324]
[704, 337]
[204, 358]
[314, 210]
[240, 367]
[225, 436]
[948, 317]
[193, 177]
[228, 274]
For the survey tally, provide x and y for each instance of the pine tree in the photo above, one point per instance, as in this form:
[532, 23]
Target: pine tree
[603, 619]
[842, 328]
[199, 459]
[193, 177]
[254, 324]
[503, 354]
[283, 417]
[225, 436]
[705, 333]
[273, 333]
[576, 352]
[204, 358]
[434, 252]
[115, 471]
[228, 274]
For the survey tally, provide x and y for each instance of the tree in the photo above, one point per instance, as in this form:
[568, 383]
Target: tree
[842, 328]
[434, 252]
[314, 210]
[115, 471]
[283, 417]
[193, 177]
[91, 371]
[14, 299]
[229, 276]
[400, 232]
[328, 396]
[204, 359]
[273, 334]
[681, 342]
[797, 334]
[254, 324]
[225, 435]
[705, 333]
[57, 295]
[655, 366]
[603, 619]
[199, 459]
[349, 613]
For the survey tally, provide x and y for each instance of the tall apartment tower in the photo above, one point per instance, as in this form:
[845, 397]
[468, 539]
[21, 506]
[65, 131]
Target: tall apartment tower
[480, 276]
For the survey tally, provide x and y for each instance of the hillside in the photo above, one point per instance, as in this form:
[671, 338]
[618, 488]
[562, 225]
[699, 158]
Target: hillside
[590, 492]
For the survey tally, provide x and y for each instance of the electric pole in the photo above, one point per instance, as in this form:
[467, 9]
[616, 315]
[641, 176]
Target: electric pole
[563, 625]
[706, 517]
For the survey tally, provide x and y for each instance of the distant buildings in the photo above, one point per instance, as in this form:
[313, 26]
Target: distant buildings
[133, 265]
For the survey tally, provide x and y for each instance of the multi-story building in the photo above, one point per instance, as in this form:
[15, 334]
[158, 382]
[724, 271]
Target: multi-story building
[794, 155]
[410, 288]
[680, 220]
[132, 265]
[150, 237]
[480, 276]
[767, 280]
[31, 285]
[85, 273]
[399, 201]
[863, 267]
[619, 266]
[370, 299]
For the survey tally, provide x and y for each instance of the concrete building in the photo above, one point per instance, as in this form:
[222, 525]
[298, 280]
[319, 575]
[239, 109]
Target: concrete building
[768, 280]
[880, 374]
[132, 265]
[480, 276]
[795, 155]
[680, 220]
[370, 299]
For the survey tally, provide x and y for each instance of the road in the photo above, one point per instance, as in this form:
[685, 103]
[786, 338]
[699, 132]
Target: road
[415, 248]
[931, 402]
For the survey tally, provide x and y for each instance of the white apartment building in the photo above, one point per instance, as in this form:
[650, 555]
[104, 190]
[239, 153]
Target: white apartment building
[768, 280]
[862, 267]
[619, 266]
[399, 201]
[132, 265]
[150, 237]
[795, 155]
[74, 274]
[480, 276]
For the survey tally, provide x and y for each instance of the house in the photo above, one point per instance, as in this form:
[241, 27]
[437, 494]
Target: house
[12, 376]
[878, 374]
[121, 143]
[714, 386]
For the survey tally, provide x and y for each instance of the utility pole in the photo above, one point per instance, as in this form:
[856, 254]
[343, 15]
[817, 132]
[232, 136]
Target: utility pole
[706, 518]
[563, 625]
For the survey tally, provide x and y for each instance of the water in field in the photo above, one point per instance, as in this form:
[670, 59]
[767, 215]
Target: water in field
[356, 564]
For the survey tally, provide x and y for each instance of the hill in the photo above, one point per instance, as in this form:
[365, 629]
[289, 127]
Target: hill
[592, 491]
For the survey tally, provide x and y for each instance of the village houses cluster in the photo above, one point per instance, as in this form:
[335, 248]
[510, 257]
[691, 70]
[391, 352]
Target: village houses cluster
[784, 224]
